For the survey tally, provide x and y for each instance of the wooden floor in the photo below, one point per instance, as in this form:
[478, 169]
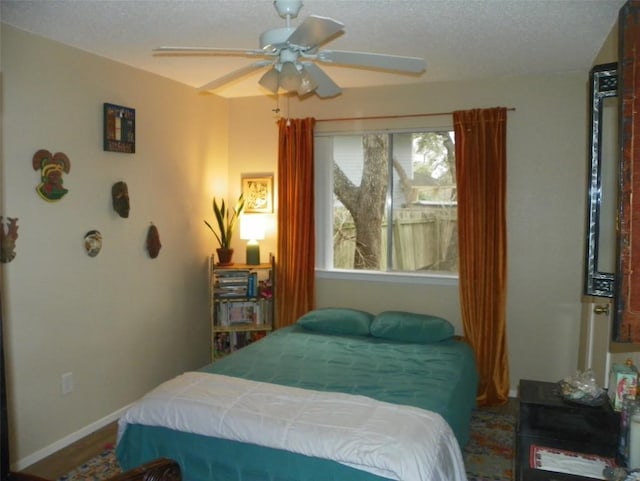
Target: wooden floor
[63, 461]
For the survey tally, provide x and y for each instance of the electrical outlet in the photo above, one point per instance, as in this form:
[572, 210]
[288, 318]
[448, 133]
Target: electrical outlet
[66, 383]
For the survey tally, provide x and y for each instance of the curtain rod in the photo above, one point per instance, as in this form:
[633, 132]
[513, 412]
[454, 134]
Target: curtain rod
[378, 117]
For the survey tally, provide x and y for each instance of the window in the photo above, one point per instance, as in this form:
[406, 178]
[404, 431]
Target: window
[386, 202]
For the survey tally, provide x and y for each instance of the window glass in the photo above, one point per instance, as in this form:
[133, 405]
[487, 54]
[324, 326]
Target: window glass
[386, 201]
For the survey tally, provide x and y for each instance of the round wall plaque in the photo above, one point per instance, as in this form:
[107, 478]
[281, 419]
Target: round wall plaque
[93, 242]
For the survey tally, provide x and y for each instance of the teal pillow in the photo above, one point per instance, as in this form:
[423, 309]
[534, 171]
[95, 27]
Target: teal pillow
[337, 320]
[411, 327]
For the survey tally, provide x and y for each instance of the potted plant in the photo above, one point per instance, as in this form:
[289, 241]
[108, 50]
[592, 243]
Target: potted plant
[226, 219]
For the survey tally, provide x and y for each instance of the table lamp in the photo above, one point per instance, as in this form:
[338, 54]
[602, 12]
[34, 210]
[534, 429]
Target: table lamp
[252, 230]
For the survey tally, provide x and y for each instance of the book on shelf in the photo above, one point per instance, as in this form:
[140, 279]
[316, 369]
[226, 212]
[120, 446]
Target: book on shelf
[251, 284]
[266, 309]
[236, 313]
[230, 291]
[228, 342]
[222, 344]
[241, 313]
[233, 273]
[222, 317]
[233, 281]
[243, 286]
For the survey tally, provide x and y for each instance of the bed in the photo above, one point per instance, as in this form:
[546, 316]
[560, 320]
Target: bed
[340, 395]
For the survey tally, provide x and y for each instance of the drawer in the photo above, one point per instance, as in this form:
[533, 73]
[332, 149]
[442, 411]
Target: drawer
[570, 423]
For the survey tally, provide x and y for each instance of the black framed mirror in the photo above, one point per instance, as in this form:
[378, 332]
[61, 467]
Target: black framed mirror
[600, 262]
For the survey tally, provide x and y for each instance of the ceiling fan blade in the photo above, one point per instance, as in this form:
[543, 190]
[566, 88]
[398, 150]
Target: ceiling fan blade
[202, 51]
[315, 31]
[325, 86]
[214, 84]
[373, 60]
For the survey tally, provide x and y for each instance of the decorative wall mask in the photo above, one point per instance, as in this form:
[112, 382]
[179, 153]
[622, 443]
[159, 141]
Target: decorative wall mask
[93, 242]
[153, 241]
[8, 239]
[52, 166]
[120, 197]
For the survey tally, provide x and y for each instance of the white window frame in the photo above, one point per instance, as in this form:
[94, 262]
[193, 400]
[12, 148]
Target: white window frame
[323, 199]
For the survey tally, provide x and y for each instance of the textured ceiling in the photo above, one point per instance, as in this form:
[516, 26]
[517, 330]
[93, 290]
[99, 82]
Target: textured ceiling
[459, 39]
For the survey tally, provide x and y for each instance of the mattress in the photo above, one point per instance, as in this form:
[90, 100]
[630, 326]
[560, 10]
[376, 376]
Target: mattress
[437, 377]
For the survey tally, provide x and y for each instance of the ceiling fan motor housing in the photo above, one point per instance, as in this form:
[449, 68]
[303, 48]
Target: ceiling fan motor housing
[288, 8]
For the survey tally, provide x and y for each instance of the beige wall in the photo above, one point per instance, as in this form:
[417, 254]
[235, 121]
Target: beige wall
[546, 184]
[609, 51]
[120, 322]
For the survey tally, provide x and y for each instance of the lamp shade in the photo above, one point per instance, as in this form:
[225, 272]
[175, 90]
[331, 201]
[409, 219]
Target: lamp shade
[252, 230]
[252, 227]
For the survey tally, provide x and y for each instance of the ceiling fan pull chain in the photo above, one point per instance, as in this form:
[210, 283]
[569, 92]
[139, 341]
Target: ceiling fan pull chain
[277, 109]
[288, 110]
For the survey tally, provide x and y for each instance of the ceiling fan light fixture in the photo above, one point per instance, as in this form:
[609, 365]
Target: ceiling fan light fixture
[270, 80]
[290, 78]
[307, 83]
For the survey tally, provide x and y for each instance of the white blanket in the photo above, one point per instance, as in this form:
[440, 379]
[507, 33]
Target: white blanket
[389, 440]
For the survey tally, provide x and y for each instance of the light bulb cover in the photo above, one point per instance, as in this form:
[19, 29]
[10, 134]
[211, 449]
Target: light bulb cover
[270, 80]
[290, 77]
[307, 83]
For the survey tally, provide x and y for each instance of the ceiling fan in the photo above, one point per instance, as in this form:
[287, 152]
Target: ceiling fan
[292, 53]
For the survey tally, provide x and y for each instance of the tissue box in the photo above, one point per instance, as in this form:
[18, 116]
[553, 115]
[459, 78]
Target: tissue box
[623, 380]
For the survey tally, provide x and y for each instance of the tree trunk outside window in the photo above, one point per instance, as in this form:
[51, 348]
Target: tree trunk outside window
[366, 201]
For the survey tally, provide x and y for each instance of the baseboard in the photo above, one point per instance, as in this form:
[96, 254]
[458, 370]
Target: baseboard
[39, 455]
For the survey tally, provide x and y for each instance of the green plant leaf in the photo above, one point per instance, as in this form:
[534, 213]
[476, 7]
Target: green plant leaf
[226, 219]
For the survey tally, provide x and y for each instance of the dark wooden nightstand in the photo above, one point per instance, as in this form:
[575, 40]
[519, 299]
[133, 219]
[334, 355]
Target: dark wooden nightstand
[545, 419]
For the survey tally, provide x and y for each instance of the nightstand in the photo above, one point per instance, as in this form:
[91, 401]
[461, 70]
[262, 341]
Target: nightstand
[545, 419]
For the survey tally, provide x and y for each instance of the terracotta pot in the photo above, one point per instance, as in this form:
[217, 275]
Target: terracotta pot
[224, 256]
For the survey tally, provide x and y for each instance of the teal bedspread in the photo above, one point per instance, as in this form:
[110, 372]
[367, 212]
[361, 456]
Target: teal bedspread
[440, 377]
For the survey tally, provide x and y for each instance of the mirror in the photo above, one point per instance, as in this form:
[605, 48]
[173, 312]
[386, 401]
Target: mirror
[601, 257]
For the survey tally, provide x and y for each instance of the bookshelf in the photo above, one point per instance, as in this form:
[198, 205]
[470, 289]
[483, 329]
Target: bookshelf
[241, 305]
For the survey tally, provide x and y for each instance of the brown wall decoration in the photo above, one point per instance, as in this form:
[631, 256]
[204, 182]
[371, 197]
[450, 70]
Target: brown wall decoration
[627, 315]
[153, 241]
[120, 198]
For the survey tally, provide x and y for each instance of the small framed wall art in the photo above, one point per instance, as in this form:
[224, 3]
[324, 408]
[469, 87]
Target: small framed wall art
[119, 129]
[258, 193]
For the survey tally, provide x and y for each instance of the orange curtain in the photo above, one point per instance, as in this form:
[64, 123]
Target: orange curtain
[480, 137]
[295, 260]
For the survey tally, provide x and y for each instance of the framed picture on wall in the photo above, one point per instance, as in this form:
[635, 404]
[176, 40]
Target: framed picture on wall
[119, 129]
[257, 191]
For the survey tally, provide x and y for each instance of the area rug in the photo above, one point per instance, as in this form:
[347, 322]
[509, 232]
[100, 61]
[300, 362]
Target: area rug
[98, 468]
[488, 456]
[490, 453]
